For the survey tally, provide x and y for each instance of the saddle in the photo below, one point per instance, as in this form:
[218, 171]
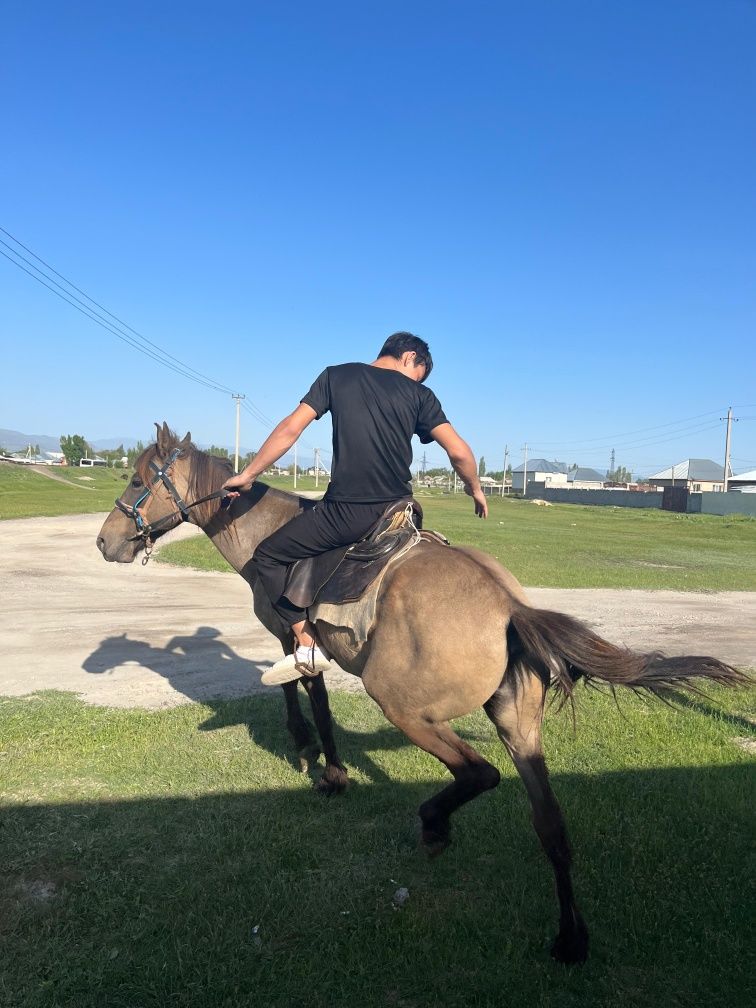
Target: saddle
[345, 573]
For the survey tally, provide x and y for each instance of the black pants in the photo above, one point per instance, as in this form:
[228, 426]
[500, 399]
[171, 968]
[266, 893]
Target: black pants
[327, 525]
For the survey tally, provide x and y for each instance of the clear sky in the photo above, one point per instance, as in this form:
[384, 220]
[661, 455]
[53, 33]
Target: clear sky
[559, 195]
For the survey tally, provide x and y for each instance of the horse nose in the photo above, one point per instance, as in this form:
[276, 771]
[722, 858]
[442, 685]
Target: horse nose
[101, 545]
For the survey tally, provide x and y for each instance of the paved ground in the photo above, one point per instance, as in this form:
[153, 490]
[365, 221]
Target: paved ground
[155, 636]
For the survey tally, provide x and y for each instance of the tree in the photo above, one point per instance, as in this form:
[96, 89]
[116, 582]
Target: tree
[133, 453]
[249, 457]
[619, 475]
[74, 448]
[113, 456]
[219, 452]
[482, 467]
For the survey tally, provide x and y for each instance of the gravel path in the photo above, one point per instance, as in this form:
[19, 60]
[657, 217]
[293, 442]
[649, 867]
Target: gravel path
[130, 636]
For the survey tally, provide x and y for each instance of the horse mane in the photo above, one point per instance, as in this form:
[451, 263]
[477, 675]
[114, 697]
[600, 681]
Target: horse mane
[207, 473]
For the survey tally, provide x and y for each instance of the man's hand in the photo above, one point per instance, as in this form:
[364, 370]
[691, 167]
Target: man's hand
[238, 485]
[481, 505]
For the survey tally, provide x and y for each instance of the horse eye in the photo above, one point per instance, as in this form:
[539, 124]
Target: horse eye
[136, 482]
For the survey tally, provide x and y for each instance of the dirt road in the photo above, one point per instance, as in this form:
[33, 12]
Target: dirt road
[156, 636]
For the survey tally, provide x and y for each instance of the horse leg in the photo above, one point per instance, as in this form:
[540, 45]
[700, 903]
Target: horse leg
[517, 711]
[299, 728]
[472, 775]
[334, 778]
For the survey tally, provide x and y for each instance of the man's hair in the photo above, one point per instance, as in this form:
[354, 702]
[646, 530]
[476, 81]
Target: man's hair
[401, 343]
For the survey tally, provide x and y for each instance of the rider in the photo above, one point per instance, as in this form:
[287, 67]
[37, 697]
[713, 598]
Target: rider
[375, 408]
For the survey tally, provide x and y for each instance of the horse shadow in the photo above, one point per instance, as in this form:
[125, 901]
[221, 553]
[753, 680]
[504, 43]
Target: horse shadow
[201, 665]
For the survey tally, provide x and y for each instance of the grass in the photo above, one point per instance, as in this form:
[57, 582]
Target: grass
[572, 546]
[27, 493]
[139, 851]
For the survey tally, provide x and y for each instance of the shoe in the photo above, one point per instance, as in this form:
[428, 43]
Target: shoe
[304, 662]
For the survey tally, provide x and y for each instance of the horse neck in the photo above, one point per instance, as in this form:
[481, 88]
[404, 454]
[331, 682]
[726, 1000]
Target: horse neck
[252, 518]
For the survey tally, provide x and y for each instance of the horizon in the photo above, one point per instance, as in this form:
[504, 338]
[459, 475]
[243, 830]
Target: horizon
[558, 198]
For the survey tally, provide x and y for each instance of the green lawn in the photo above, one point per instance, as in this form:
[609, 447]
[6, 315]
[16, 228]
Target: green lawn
[572, 546]
[27, 493]
[140, 851]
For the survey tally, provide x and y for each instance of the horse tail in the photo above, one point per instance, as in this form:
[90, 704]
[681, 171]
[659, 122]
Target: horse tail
[563, 649]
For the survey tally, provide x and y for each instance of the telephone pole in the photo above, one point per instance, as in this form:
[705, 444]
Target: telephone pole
[295, 465]
[729, 418]
[317, 466]
[238, 399]
[525, 473]
[504, 476]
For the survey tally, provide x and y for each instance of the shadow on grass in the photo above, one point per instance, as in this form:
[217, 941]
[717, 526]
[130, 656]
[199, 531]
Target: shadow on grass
[280, 899]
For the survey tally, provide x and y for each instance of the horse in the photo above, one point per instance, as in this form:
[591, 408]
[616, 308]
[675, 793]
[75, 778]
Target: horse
[453, 632]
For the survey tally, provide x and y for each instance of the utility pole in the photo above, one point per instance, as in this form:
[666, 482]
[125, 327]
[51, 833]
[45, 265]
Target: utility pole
[295, 465]
[729, 419]
[504, 476]
[525, 473]
[455, 482]
[238, 399]
[317, 466]
[612, 465]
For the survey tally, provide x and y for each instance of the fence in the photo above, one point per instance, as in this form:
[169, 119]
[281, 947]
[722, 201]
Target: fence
[698, 503]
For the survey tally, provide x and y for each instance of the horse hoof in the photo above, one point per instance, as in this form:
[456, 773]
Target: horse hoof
[308, 757]
[571, 947]
[434, 842]
[333, 781]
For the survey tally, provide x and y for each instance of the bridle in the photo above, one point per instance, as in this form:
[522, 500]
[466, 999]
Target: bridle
[146, 530]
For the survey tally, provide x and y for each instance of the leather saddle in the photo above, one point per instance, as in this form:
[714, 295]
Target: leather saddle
[344, 573]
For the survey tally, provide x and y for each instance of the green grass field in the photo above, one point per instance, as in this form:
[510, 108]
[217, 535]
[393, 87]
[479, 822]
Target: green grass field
[178, 858]
[572, 546]
[27, 493]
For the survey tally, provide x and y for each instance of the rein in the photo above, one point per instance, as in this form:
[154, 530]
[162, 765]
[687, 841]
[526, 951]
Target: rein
[145, 530]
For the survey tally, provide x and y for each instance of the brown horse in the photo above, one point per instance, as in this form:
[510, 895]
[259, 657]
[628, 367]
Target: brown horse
[453, 632]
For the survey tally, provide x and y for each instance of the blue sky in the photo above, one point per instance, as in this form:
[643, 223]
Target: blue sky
[558, 196]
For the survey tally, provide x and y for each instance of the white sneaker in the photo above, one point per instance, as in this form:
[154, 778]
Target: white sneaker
[305, 661]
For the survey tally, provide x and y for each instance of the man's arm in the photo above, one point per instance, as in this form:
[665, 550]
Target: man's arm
[275, 445]
[463, 461]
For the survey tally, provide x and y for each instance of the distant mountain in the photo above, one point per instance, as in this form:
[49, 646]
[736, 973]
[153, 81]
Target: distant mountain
[14, 440]
[108, 444]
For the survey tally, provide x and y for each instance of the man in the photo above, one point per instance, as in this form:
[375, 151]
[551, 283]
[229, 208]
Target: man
[376, 409]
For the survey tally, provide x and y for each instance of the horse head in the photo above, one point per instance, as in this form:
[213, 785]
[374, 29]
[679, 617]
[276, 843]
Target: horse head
[167, 476]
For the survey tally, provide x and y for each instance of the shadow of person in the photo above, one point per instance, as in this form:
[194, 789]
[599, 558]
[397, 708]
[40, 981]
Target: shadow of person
[200, 666]
[205, 669]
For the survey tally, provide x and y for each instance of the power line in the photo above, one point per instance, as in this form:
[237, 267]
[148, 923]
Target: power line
[646, 442]
[120, 321]
[95, 316]
[111, 329]
[615, 437]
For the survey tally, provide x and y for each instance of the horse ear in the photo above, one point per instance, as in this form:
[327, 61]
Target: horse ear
[187, 440]
[163, 437]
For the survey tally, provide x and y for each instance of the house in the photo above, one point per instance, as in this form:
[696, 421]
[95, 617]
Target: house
[583, 478]
[695, 474]
[489, 485]
[746, 482]
[551, 474]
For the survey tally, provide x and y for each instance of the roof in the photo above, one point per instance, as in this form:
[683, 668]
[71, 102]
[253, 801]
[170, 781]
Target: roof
[705, 470]
[745, 476]
[542, 465]
[586, 475]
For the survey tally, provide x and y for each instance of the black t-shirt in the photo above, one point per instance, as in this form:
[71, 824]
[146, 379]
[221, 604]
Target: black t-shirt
[375, 411]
